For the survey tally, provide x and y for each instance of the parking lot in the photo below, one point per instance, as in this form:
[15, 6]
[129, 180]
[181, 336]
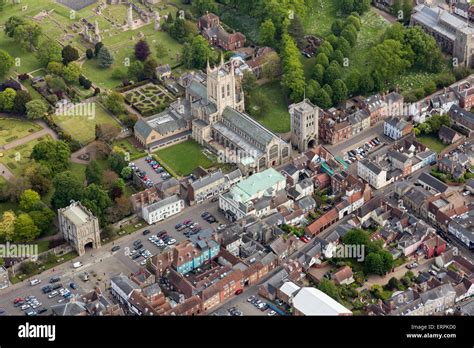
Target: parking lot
[155, 175]
[361, 152]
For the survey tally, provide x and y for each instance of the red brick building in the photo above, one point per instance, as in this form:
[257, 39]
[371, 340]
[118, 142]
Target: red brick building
[212, 30]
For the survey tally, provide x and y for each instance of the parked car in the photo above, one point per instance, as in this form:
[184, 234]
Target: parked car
[73, 286]
[146, 232]
[271, 313]
[55, 279]
[238, 292]
[53, 294]
[251, 299]
[35, 281]
[42, 310]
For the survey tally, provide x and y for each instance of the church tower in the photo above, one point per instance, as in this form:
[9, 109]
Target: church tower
[304, 118]
[221, 88]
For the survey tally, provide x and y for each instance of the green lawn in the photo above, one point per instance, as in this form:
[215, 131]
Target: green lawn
[183, 158]
[432, 142]
[126, 146]
[12, 129]
[321, 15]
[274, 115]
[18, 158]
[82, 128]
[121, 46]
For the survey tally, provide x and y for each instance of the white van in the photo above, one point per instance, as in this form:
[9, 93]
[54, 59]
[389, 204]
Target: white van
[35, 281]
[77, 264]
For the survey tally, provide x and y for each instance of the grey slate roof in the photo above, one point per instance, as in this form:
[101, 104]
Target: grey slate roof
[124, 283]
[431, 181]
[248, 126]
[207, 180]
[164, 202]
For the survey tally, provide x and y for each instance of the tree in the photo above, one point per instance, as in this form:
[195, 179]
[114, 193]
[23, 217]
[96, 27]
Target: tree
[149, 69]
[53, 154]
[196, 53]
[30, 200]
[117, 162]
[318, 73]
[39, 177]
[355, 21]
[361, 6]
[72, 72]
[337, 27]
[98, 46]
[426, 52]
[271, 65]
[7, 226]
[344, 46]
[89, 53]
[389, 59]
[42, 219]
[55, 68]
[25, 33]
[25, 229]
[267, 33]
[105, 58]
[338, 57]
[204, 6]
[19, 104]
[126, 173]
[326, 48]
[311, 88]
[293, 72]
[106, 132]
[332, 73]
[350, 34]
[394, 32]
[394, 284]
[93, 173]
[109, 178]
[36, 109]
[123, 205]
[339, 91]
[356, 236]
[96, 200]
[352, 82]
[69, 54]
[347, 6]
[322, 59]
[117, 189]
[67, 187]
[322, 99]
[84, 82]
[296, 30]
[119, 74]
[6, 62]
[329, 288]
[407, 9]
[135, 71]
[249, 83]
[115, 103]
[374, 264]
[7, 99]
[142, 50]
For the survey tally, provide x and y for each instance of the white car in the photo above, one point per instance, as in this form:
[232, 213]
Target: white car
[171, 241]
[53, 294]
[25, 306]
[36, 305]
[143, 263]
[466, 193]
[35, 281]
[271, 313]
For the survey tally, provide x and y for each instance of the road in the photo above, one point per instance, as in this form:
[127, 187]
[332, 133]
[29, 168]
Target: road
[358, 140]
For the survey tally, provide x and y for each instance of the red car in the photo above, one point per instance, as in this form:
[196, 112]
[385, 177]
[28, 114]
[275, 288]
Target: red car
[304, 239]
[186, 222]
[18, 299]
[238, 292]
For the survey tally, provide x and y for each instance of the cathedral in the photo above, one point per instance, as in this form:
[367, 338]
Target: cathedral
[219, 121]
[212, 113]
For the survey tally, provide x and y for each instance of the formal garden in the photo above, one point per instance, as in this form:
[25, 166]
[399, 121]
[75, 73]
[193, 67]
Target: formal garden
[12, 129]
[148, 99]
[18, 158]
